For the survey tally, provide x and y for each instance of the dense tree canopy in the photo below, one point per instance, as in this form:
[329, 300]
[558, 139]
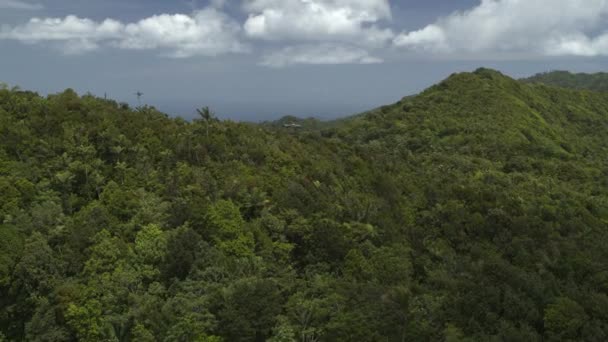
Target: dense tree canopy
[565, 79]
[474, 211]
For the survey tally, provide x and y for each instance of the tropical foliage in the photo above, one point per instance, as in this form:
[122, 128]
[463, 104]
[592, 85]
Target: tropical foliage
[565, 79]
[475, 211]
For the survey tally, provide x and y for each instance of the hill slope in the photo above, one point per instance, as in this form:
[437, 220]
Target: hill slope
[565, 79]
[477, 210]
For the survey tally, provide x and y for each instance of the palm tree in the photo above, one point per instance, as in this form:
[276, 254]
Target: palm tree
[139, 94]
[207, 115]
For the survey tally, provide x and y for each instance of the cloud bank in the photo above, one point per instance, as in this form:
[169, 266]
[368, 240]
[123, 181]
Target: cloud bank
[527, 27]
[304, 29]
[319, 31]
[208, 32]
[328, 54]
[319, 20]
[334, 31]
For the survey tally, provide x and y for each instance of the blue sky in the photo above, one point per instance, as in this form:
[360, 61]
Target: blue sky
[262, 59]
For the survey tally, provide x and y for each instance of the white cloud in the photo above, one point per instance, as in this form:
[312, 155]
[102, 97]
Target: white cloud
[319, 31]
[431, 37]
[66, 29]
[19, 5]
[531, 27]
[208, 32]
[319, 54]
[301, 31]
[578, 45]
[319, 20]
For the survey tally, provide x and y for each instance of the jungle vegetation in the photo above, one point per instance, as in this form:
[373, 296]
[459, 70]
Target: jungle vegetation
[474, 211]
[597, 81]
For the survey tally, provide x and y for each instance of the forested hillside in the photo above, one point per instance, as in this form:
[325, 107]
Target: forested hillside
[474, 211]
[565, 79]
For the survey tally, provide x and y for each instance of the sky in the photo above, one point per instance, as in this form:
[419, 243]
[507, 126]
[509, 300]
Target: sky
[259, 60]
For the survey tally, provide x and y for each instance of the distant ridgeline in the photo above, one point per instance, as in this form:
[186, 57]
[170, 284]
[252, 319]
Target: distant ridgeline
[565, 79]
[474, 211]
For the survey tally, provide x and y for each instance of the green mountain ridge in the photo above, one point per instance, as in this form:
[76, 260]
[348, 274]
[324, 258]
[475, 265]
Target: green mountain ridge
[469, 101]
[474, 211]
[581, 81]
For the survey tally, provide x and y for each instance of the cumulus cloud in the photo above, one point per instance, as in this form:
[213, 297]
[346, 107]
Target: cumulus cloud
[19, 5]
[334, 31]
[301, 31]
[63, 29]
[318, 20]
[319, 31]
[319, 54]
[207, 32]
[539, 27]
